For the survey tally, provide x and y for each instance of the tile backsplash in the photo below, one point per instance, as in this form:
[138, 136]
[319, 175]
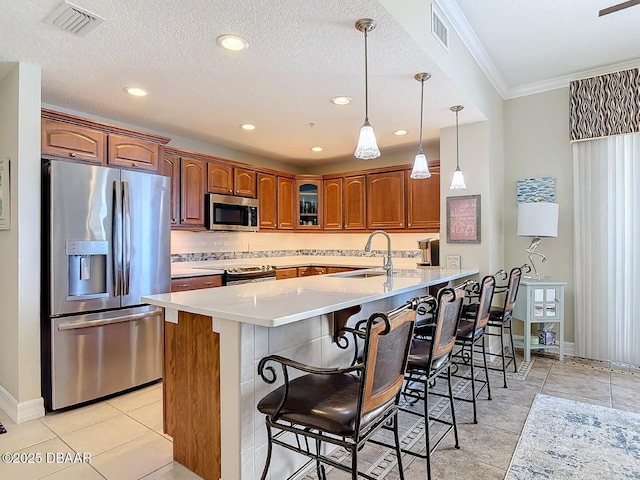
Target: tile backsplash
[195, 246]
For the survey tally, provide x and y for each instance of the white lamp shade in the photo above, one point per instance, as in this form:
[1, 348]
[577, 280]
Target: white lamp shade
[367, 148]
[457, 181]
[420, 167]
[538, 219]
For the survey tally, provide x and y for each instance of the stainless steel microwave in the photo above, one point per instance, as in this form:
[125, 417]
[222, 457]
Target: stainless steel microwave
[227, 213]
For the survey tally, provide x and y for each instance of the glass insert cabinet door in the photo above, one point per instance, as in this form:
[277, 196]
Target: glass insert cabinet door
[545, 302]
[309, 204]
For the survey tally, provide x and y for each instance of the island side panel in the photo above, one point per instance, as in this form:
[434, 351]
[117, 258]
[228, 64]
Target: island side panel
[196, 397]
[168, 377]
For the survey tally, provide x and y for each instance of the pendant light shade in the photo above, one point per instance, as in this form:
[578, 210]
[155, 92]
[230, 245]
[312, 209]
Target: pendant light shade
[420, 164]
[367, 148]
[457, 181]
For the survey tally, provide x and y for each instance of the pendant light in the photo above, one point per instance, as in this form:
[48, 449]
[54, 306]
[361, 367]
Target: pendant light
[420, 164]
[367, 148]
[457, 182]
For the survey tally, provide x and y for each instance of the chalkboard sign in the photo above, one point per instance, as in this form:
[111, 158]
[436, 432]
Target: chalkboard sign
[463, 219]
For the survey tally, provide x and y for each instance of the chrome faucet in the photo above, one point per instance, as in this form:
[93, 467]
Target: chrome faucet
[387, 263]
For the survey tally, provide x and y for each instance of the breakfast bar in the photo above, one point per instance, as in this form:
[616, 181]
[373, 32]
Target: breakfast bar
[214, 338]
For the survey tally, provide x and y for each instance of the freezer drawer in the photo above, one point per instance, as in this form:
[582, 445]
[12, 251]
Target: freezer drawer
[100, 354]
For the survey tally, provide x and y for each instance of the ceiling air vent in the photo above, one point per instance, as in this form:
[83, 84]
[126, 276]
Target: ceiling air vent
[73, 19]
[438, 28]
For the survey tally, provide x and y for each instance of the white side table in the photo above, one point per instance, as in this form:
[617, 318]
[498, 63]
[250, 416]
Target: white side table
[540, 302]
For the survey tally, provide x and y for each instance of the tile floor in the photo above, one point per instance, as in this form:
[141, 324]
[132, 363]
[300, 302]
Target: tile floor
[125, 440]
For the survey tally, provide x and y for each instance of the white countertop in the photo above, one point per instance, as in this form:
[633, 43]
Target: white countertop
[276, 303]
[193, 269]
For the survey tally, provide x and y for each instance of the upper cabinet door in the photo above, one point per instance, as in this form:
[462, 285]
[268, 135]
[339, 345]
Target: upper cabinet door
[332, 204]
[267, 201]
[385, 200]
[171, 169]
[286, 195]
[193, 183]
[133, 153]
[354, 203]
[71, 141]
[220, 178]
[423, 201]
[245, 182]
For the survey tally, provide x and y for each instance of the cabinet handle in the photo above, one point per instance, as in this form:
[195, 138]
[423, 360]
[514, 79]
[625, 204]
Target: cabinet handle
[184, 285]
[207, 283]
[72, 154]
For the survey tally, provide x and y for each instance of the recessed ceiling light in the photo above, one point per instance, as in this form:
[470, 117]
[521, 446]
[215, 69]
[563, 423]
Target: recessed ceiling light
[317, 149]
[341, 100]
[232, 42]
[400, 132]
[136, 92]
[247, 126]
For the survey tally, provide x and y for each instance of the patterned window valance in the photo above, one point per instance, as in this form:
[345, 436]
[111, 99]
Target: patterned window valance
[605, 105]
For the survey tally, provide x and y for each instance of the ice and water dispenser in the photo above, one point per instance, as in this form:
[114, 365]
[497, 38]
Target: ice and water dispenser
[87, 261]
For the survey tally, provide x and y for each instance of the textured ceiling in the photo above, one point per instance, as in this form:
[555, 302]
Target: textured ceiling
[302, 53]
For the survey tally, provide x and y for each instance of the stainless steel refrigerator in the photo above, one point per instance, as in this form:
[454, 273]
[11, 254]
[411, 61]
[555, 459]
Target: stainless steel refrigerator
[106, 242]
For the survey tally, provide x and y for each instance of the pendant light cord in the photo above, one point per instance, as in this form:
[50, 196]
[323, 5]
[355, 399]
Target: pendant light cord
[457, 145]
[366, 80]
[421, 111]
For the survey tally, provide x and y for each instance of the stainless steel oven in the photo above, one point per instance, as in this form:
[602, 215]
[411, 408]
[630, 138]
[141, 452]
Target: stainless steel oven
[240, 275]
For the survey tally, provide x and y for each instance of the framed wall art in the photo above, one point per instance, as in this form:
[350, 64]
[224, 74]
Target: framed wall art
[5, 195]
[463, 219]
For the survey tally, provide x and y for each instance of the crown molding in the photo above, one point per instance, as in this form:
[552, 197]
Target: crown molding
[454, 15]
[458, 21]
[564, 80]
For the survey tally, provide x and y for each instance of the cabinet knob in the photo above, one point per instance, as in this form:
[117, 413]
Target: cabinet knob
[72, 154]
[134, 164]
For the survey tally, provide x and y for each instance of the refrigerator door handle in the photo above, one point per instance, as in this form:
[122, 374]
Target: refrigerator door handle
[126, 225]
[106, 321]
[116, 240]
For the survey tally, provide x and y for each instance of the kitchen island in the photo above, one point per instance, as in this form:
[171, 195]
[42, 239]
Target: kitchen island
[214, 339]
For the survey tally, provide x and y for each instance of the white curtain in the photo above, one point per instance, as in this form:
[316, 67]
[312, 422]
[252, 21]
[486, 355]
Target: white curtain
[607, 248]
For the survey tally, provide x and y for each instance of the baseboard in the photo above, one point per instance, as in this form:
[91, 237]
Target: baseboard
[21, 412]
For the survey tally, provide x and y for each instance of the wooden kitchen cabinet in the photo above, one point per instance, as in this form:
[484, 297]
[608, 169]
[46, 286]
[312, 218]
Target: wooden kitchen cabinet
[193, 186]
[73, 142]
[220, 178]
[282, 273]
[195, 283]
[309, 203]
[267, 201]
[171, 169]
[423, 201]
[244, 182]
[385, 200]
[332, 204]
[133, 153]
[309, 271]
[286, 195]
[354, 203]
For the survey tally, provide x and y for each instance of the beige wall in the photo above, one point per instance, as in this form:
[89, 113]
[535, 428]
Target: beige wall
[537, 145]
[20, 392]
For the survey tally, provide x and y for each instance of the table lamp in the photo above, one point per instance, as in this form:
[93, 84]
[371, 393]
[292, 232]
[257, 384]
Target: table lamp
[537, 220]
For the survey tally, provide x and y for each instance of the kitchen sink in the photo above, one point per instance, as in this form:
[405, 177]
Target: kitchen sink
[360, 274]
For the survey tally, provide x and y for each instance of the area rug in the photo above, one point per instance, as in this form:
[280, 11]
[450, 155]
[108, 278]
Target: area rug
[565, 439]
